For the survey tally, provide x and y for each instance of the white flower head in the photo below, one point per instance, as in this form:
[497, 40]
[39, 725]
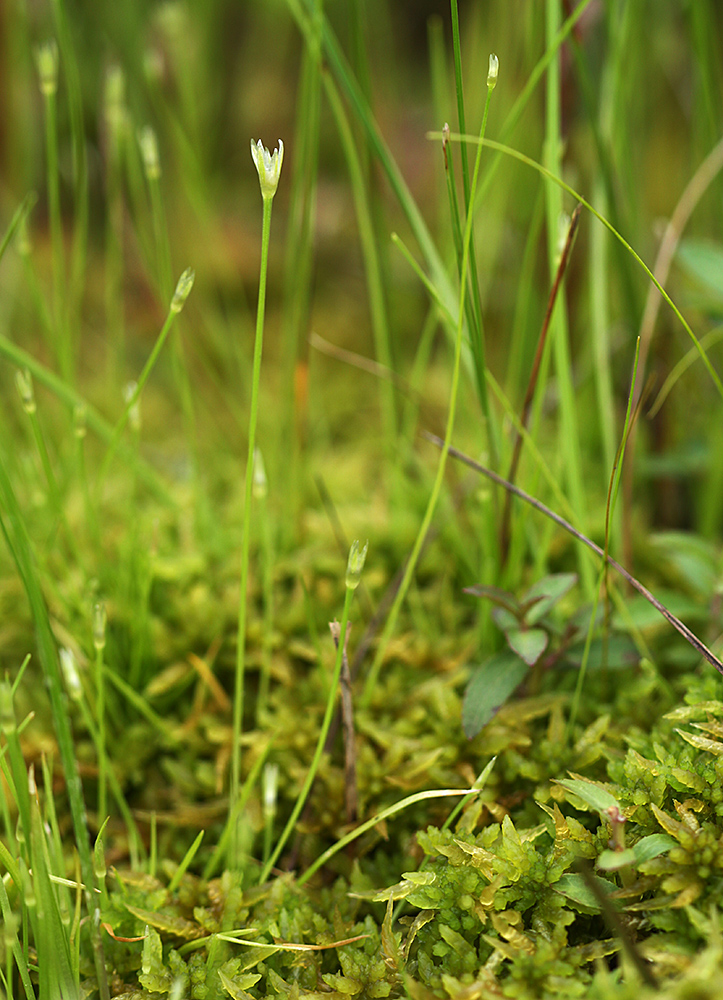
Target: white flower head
[268, 166]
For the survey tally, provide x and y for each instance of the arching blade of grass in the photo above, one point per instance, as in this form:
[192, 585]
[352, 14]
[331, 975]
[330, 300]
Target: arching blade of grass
[358, 831]
[509, 151]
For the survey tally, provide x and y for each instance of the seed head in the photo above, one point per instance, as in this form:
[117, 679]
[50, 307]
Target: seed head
[268, 166]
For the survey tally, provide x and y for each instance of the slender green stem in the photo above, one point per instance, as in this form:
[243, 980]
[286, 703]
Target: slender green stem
[411, 566]
[569, 440]
[185, 283]
[62, 346]
[604, 568]
[97, 423]
[316, 760]
[238, 703]
[372, 263]
[267, 544]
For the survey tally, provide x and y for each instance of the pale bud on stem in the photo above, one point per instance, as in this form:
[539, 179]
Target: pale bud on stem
[24, 384]
[100, 620]
[69, 667]
[494, 67]
[183, 289]
[46, 57]
[355, 565]
[149, 151]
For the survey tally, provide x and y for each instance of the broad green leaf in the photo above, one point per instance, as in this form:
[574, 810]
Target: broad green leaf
[651, 847]
[575, 888]
[529, 643]
[544, 594]
[611, 861]
[489, 688]
[504, 619]
[591, 794]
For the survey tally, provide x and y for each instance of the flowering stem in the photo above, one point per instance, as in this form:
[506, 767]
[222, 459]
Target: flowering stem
[238, 702]
[323, 732]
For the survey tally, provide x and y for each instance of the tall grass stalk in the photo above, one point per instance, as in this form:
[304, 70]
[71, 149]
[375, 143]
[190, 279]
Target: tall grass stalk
[298, 273]
[183, 290]
[474, 300]
[372, 264]
[411, 565]
[47, 58]
[568, 429]
[269, 168]
[77, 275]
[115, 120]
[602, 581]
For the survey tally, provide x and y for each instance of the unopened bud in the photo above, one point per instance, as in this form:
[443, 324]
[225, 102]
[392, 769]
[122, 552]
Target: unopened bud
[24, 385]
[494, 67]
[46, 57]
[100, 620]
[355, 564]
[69, 667]
[149, 152]
[183, 289]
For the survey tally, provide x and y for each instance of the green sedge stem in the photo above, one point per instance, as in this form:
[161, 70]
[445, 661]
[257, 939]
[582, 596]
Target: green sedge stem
[183, 288]
[303, 794]
[437, 487]
[238, 702]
